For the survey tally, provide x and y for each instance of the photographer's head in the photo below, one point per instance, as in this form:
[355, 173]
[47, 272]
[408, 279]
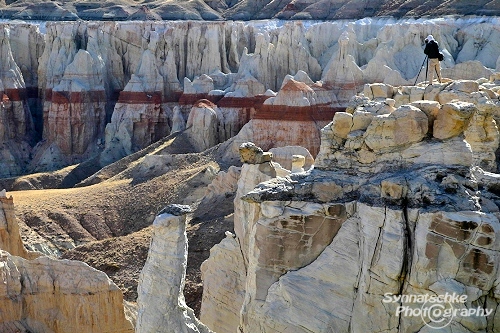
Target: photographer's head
[429, 38]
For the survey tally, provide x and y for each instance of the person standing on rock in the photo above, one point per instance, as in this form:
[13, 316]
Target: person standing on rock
[432, 51]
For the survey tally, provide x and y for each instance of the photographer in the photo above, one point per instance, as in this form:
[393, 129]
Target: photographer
[432, 51]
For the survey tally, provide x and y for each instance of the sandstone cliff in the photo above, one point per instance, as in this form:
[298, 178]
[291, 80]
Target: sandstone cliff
[397, 204]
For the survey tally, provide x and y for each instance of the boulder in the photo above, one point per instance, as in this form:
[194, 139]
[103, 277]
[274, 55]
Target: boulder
[452, 119]
[342, 124]
[406, 125]
[482, 134]
[378, 90]
[251, 154]
[431, 110]
[466, 86]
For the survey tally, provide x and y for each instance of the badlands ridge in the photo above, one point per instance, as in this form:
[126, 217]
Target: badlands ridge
[65, 10]
[394, 190]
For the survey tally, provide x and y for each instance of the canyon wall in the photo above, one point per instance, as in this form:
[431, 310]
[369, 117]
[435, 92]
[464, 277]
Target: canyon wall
[398, 203]
[73, 90]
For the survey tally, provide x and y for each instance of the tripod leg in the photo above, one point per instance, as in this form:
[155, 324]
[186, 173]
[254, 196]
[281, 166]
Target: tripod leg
[420, 70]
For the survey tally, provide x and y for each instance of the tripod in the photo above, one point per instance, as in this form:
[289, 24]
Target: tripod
[426, 69]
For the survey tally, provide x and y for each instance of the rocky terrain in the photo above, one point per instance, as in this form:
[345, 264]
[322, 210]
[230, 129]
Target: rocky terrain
[238, 9]
[366, 183]
[400, 201]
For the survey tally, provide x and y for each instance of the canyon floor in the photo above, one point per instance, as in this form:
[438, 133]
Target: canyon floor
[108, 221]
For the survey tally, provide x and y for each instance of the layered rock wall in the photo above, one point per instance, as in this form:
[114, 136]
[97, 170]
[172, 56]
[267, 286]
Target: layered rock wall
[138, 118]
[16, 122]
[131, 75]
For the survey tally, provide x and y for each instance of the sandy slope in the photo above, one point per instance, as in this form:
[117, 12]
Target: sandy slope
[107, 221]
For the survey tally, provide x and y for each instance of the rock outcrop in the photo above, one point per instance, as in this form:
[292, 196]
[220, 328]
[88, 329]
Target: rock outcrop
[161, 305]
[457, 107]
[397, 204]
[224, 287]
[41, 294]
[240, 102]
[295, 115]
[49, 295]
[10, 237]
[138, 118]
[226, 182]
[205, 125]
[16, 121]
[74, 114]
[16, 124]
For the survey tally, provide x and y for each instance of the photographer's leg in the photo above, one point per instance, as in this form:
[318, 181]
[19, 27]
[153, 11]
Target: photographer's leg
[438, 71]
[430, 74]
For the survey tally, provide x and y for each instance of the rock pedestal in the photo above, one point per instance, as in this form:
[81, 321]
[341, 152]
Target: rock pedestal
[161, 305]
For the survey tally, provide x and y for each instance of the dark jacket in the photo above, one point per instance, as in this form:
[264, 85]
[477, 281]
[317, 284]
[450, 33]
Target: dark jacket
[432, 49]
